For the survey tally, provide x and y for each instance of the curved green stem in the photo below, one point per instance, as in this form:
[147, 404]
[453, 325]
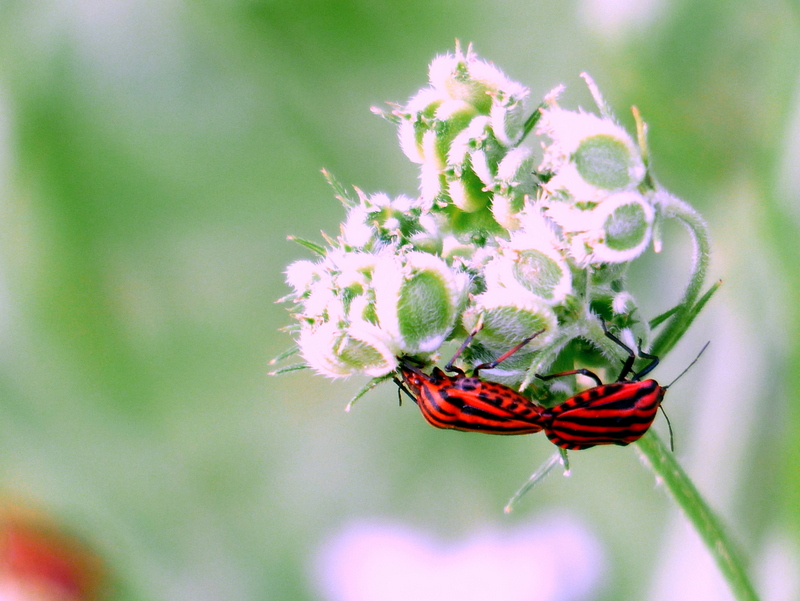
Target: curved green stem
[673, 207]
[704, 520]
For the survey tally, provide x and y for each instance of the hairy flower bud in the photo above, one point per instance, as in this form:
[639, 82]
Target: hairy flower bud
[508, 319]
[336, 353]
[417, 299]
[590, 156]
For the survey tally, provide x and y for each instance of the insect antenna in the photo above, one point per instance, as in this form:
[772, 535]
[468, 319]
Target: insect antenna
[702, 350]
[669, 426]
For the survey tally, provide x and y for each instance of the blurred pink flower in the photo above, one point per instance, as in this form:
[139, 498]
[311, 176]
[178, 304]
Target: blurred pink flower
[556, 559]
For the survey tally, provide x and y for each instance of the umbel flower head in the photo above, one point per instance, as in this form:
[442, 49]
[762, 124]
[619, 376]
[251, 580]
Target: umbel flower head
[526, 220]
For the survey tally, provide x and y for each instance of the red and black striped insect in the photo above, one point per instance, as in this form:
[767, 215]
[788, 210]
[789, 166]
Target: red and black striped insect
[467, 403]
[616, 413]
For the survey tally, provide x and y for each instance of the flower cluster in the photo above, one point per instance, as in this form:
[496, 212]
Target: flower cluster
[504, 235]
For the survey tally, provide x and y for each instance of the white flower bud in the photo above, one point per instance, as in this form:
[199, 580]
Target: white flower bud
[431, 176]
[627, 226]
[482, 167]
[467, 190]
[466, 182]
[452, 117]
[623, 302]
[321, 303]
[301, 274]
[514, 181]
[589, 155]
[505, 210]
[529, 267]
[466, 77]
[468, 140]
[429, 237]
[615, 230]
[517, 168]
[417, 111]
[356, 231]
[354, 269]
[337, 353]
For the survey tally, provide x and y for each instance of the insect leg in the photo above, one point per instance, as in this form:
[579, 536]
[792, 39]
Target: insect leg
[504, 356]
[649, 367]
[452, 368]
[582, 372]
[627, 367]
[401, 386]
[669, 425]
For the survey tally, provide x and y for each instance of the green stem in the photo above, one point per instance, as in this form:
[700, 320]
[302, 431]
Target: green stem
[705, 522]
[675, 208]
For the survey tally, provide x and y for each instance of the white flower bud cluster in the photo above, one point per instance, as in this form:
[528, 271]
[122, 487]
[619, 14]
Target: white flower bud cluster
[361, 309]
[516, 237]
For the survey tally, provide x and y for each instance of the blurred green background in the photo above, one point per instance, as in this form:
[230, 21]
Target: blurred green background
[153, 158]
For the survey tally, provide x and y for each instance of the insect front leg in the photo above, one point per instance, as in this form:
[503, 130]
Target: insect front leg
[627, 366]
[402, 387]
[452, 368]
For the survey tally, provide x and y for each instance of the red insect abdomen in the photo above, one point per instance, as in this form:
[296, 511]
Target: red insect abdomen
[471, 404]
[617, 413]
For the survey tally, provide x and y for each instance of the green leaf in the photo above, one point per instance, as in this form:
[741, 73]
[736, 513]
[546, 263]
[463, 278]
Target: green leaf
[537, 476]
[287, 353]
[339, 190]
[531, 122]
[659, 319]
[681, 322]
[367, 387]
[312, 246]
[288, 369]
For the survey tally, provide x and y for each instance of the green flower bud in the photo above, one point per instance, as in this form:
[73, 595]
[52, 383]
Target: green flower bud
[531, 263]
[509, 319]
[417, 299]
[627, 226]
[615, 230]
[452, 117]
[607, 162]
[466, 189]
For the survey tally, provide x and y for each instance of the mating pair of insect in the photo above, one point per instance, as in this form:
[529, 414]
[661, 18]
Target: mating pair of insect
[616, 413]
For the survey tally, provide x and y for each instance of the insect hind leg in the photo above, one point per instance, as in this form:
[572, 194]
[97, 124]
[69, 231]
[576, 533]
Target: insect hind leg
[504, 356]
[582, 372]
